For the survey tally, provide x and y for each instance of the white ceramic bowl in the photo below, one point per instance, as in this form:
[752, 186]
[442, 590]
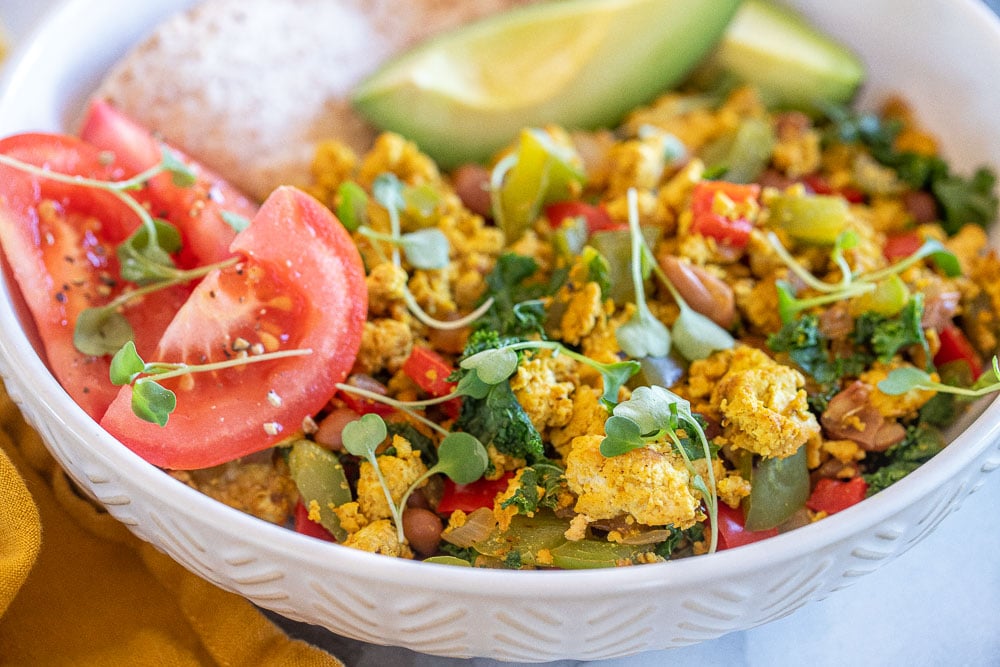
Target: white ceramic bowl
[943, 55]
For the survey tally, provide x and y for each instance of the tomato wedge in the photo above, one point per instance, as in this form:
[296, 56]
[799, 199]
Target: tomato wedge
[301, 285]
[835, 495]
[197, 211]
[60, 240]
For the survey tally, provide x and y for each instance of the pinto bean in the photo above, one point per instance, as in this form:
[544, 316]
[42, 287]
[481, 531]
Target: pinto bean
[850, 416]
[422, 529]
[920, 205]
[331, 428]
[472, 184]
[705, 293]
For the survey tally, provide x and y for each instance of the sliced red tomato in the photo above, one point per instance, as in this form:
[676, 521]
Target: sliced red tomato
[956, 347]
[60, 242]
[197, 211]
[470, 497]
[901, 245]
[301, 285]
[306, 526]
[732, 532]
[729, 229]
[833, 495]
[596, 218]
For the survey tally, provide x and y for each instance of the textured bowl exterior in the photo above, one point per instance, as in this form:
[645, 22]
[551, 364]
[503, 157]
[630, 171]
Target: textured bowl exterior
[520, 616]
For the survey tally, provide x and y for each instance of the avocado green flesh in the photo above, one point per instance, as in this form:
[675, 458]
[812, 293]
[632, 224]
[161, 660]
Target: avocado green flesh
[577, 63]
[787, 59]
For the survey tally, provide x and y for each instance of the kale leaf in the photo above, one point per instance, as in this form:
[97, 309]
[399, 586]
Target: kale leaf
[959, 200]
[497, 418]
[921, 443]
[528, 499]
[887, 335]
[517, 310]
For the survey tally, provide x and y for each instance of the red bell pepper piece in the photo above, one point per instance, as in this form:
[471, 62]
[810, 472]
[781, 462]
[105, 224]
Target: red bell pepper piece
[729, 229]
[430, 372]
[834, 495]
[596, 217]
[306, 526]
[902, 245]
[732, 532]
[956, 347]
[470, 497]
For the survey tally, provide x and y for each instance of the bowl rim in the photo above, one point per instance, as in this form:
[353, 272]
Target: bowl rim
[25, 362]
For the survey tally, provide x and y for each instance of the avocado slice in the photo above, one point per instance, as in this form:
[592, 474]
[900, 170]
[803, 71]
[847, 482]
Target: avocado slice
[578, 63]
[790, 62]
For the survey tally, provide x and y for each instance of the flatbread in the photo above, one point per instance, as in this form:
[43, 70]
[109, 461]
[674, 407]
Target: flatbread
[249, 86]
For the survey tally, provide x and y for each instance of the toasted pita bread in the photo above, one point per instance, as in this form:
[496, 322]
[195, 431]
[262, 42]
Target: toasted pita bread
[249, 86]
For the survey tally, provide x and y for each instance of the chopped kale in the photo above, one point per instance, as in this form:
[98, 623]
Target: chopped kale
[887, 335]
[516, 309]
[921, 443]
[806, 345]
[666, 548]
[465, 553]
[959, 200]
[497, 418]
[528, 498]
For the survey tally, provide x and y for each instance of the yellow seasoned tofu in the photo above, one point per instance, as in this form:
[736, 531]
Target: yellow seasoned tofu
[650, 485]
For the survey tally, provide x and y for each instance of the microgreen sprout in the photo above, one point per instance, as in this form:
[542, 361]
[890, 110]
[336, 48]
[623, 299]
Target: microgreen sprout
[642, 335]
[425, 249]
[461, 457]
[150, 400]
[496, 365]
[695, 335]
[907, 378]
[101, 330]
[850, 285]
[352, 205]
[235, 221]
[654, 413]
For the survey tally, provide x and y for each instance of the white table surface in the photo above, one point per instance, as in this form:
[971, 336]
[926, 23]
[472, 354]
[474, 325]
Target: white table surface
[937, 604]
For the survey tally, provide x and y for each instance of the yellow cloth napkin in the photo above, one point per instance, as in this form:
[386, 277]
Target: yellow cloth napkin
[76, 588]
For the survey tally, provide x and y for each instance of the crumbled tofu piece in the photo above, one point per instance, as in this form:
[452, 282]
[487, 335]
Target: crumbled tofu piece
[650, 485]
[892, 407]
[399, 471]
[386, 284]
[546, 400]
[262, 489]
[588, 418]
[379, 537]
[385, 344]
[393, 153]
[761, 403]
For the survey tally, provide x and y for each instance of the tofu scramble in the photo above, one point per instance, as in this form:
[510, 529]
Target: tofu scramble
[713, 324]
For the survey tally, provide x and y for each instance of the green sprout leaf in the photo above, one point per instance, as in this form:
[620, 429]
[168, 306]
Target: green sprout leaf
[622, 435]
[426, 248]
[363, 436]
[100, 331]
[180, 173]
[492, 366]
[235, 221]
[142, 261]
[152, 402]
[902, 380]
[126, 365]
[462, 458]
[642, 335]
